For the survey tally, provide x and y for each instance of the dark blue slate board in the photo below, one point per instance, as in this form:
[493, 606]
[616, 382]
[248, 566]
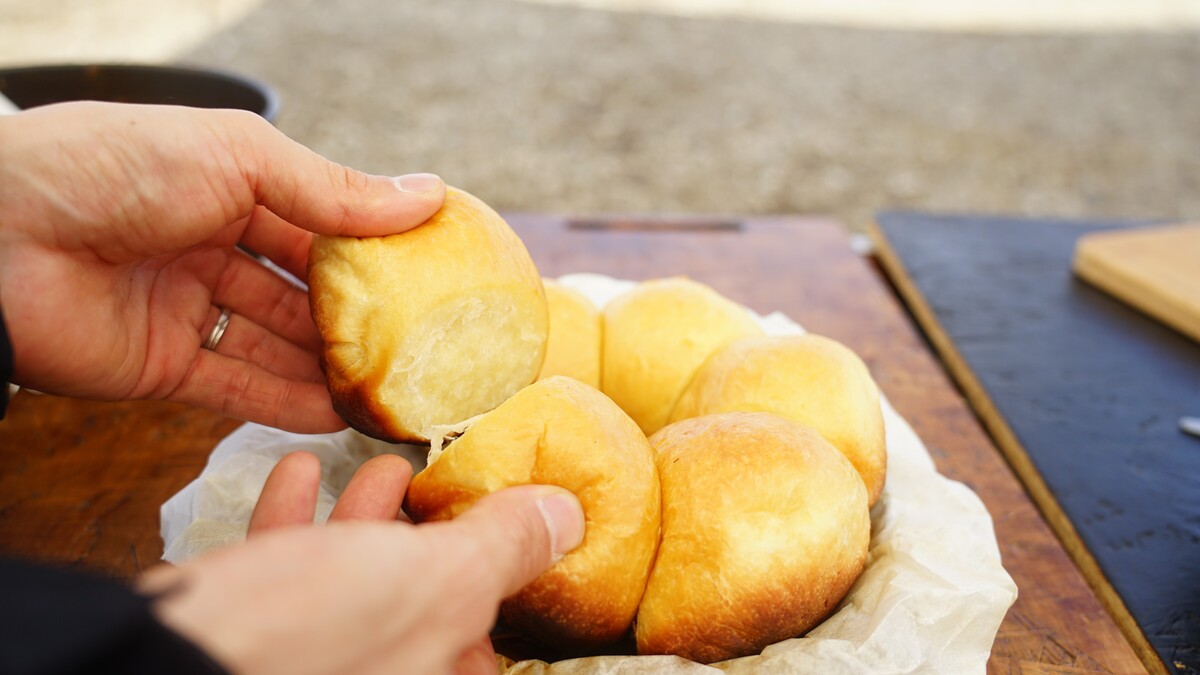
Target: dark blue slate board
[1093, 391]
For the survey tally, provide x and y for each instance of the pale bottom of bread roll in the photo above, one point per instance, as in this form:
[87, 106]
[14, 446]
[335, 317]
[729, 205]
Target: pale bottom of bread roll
[429, 326]
[459, 361]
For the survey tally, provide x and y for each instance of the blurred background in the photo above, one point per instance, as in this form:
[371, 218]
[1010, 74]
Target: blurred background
[1071, 108]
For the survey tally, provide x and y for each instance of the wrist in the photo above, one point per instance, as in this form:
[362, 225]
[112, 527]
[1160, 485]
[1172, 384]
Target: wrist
[172, 596]
[162, 585]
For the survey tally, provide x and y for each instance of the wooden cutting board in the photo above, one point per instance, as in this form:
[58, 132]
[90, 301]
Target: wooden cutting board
[1154, 269]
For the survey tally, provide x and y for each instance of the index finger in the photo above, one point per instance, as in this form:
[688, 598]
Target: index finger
[279, 241]
[289, 497]
[376, 491]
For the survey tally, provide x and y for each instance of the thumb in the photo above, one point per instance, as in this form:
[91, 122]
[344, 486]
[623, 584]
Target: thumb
[524, 531]
[320, 196]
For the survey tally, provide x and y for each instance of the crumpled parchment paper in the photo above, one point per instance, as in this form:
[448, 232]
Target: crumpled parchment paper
[930, 600]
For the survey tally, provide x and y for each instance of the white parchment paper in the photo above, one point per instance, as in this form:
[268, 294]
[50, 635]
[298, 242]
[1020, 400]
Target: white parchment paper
[930, 600]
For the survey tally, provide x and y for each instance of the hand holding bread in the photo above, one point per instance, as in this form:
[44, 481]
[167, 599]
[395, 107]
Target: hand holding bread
[428, 327]
[746, 524]
[562, 432]
[341, 598]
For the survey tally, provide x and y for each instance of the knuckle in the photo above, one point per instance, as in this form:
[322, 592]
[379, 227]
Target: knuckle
[346, 180]
[278, 410]
[348, 187]
[236, 394]
[244, 119]
[262, 349]
[295, 311]
[526, 543]
[528, 530]
[496, 547]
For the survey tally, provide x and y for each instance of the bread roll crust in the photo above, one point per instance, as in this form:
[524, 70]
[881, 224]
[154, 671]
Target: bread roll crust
[808, 379]
[656, 336]
[559, 431]
[428, 327]
[765, 527]
[573, 347]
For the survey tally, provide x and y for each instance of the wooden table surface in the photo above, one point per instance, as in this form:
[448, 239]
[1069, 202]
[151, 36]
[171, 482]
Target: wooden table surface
[81, 482]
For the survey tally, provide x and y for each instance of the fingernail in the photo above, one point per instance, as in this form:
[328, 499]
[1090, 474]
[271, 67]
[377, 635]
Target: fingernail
[418, 182]
[564, 519]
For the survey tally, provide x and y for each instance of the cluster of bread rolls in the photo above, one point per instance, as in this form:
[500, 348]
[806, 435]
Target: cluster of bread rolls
[673, 349]
[726, 476]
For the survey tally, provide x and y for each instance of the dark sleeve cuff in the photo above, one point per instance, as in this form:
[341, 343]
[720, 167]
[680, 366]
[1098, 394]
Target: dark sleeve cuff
[6, 365]
[54, 621]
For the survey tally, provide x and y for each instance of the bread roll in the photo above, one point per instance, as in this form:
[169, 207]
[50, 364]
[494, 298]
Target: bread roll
[573, 348]
[804, 378]
[561, 432]
[656, 336]
[428, 327]
[764, 529]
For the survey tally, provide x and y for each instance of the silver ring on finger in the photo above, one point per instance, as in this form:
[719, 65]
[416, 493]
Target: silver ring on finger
[218, 330]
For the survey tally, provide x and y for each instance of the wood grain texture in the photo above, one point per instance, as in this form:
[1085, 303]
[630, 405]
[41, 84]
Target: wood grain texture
[1082, 394]
[82, 482]
[1155, 269]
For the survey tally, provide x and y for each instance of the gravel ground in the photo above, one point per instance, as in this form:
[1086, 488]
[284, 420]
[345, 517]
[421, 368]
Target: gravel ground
[562, 109]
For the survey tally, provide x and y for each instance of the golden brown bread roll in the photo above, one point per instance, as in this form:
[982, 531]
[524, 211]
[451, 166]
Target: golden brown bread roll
[808, 379]
[656, 336]
[561, 432]
[764, 529]
[428, 327]
[573, 348]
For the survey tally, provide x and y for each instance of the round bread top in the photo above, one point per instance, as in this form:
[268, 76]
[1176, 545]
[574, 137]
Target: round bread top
[573, 348]
[808, 379]
[656, 336]
[764, 529]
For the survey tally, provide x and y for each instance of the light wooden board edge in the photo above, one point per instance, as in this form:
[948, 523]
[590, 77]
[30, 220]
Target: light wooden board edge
[1015, 453]
[1119, 283]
